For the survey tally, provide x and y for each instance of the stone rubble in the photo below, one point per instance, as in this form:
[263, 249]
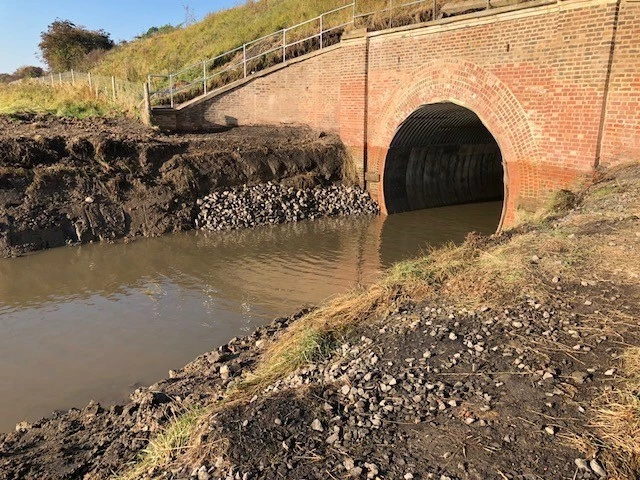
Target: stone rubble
[271, 203]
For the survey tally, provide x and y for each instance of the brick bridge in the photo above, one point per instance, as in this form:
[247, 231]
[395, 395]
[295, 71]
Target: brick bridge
[510, 103]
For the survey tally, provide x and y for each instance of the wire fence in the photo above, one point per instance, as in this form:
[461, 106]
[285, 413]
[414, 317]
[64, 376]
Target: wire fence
[172, 90]
[128, 94]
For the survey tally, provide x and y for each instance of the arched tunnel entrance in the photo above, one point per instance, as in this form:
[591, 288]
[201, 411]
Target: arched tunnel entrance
[442, 154]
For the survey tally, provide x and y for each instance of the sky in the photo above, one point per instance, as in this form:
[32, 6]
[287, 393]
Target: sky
[22, 21]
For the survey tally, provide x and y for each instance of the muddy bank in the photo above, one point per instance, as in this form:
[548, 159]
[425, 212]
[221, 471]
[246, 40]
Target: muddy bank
[95, 442]
[67, 181]
[510, 388]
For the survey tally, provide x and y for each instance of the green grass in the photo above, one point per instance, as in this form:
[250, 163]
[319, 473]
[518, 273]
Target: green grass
[62, 101]
[220, 32]
[173, 441]
[606, 191]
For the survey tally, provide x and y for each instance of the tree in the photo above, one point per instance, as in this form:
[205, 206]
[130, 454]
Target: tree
[65, 45]
[29, 71]
[6, 78]
[151, 32]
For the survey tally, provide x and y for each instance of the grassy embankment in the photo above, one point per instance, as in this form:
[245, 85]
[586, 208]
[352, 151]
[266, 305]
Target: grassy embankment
[61, 100]
[591, 234]
[169, 52]
[222, 31]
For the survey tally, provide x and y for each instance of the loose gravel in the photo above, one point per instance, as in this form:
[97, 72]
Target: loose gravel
[271, 203]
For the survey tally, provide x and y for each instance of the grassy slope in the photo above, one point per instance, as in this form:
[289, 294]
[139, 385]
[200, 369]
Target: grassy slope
[61, 100]
[169, 52]
[217, 33]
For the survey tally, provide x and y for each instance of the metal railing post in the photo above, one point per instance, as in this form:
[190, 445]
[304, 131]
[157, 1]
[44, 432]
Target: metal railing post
[60, 77]
[321, 27]
[73, 77]
[244, 59]
[204, 76]
[284, 45]
[435, 8]
[52, 84]
[113, 87]
[390, 13]
[171, 88]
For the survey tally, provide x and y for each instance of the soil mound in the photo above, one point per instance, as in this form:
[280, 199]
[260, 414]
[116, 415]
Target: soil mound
[64, 181]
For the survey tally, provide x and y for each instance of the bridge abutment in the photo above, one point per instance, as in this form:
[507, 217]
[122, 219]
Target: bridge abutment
[353, 99]
[557, 84]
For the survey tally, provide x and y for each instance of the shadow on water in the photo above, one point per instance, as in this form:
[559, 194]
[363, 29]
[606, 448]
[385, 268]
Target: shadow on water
[96, 321]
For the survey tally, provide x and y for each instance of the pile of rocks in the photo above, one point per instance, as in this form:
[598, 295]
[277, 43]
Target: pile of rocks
[270, 203]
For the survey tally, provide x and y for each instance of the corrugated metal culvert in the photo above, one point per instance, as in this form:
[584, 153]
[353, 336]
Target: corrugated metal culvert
[442, 154]
[441, 124]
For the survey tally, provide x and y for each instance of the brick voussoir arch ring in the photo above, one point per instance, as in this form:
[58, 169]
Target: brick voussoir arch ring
[470, 86]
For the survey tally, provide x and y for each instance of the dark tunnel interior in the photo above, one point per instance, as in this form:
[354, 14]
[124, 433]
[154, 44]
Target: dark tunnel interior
[442, 154]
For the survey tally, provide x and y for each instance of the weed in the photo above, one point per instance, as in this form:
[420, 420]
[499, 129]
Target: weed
[605, 191]
[174, 440]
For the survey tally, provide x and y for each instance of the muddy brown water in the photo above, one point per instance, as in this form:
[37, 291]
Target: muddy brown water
[97, 321]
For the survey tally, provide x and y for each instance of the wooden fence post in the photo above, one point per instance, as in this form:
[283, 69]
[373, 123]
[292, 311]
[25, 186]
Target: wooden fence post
[147, 104]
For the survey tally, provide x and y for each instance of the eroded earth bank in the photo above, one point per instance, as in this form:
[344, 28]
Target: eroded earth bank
[67, 181]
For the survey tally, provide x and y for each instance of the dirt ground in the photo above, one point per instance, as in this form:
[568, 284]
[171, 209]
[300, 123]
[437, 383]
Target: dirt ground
[64, 181]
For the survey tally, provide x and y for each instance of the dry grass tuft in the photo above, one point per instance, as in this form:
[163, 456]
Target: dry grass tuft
[174, 440]
[312, 338]
[617, 419]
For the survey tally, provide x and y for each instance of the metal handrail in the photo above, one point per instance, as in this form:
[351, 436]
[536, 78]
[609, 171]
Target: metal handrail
[203, 79]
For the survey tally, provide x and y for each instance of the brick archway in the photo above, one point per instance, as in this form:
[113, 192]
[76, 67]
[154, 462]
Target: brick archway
[470, 86]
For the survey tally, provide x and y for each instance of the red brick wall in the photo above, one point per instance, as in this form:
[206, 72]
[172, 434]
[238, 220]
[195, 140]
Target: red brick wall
[353, 99]
[621, 133]
[536, 78]
[303, 92]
